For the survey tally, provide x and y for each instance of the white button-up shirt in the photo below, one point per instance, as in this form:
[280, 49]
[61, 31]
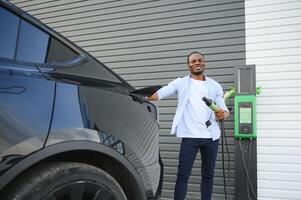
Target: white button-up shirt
[181, 87]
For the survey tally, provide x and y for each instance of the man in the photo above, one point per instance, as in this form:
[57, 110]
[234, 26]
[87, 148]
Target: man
[195, 124]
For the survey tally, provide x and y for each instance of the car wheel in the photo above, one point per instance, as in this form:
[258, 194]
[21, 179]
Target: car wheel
[67, 181]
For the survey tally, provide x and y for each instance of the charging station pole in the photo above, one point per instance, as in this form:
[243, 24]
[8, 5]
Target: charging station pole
[245, 133]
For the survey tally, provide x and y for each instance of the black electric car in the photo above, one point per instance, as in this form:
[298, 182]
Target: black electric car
[70, 128]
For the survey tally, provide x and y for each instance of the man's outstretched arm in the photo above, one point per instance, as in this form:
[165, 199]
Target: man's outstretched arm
[165, 91]
[154, 97]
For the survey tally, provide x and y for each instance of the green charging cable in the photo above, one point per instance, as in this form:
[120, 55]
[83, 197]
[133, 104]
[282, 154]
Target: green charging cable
[215, 108]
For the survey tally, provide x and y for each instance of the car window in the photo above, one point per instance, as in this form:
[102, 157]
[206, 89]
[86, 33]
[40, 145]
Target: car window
[32, 44]
[8, 35]
[59, 52]
[22, 41]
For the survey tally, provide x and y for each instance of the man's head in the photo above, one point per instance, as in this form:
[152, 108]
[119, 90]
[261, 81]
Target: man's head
[196, 63]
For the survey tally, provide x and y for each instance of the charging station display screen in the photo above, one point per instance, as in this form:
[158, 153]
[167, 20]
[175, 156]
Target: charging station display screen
[245, 115]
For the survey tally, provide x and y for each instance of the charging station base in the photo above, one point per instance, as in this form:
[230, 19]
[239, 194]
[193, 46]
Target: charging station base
[245, 161]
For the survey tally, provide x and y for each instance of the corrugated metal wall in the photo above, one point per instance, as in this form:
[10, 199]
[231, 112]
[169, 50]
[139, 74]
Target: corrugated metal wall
[273, 30]
[146, 42]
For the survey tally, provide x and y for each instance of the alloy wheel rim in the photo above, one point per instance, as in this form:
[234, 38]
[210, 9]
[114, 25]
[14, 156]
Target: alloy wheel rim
[81, 190]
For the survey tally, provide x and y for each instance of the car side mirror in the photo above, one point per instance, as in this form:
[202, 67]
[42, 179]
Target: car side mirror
[140, 94]
[147, 91]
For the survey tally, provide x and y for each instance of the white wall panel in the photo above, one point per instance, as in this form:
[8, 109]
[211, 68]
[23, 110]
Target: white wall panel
[273, 43]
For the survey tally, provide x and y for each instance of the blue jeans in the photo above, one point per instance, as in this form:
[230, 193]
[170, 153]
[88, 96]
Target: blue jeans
[188, 152]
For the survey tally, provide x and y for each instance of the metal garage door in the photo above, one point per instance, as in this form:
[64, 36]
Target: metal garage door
[146, 42]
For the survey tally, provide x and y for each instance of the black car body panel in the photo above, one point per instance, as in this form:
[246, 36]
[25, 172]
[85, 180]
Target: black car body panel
[25, 110]
[67, 102]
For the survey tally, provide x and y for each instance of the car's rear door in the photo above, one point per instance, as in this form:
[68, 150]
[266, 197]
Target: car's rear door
[26, 96]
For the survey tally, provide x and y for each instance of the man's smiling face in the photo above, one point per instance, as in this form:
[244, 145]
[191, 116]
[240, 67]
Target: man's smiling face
[196, 64]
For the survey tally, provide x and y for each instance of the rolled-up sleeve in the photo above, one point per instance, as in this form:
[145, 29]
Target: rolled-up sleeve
[219, 99]
[168, 90]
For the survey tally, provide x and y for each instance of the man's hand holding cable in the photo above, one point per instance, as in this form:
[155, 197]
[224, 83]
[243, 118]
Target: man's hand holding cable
[221, 114]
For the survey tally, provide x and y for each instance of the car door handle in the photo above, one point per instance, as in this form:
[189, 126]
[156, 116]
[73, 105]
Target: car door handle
[12, 90]
[137, 97]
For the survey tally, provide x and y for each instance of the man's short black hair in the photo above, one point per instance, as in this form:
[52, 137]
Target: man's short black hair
[194, 53]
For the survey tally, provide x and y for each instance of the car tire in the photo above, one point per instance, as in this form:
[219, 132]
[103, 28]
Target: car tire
[67, 181]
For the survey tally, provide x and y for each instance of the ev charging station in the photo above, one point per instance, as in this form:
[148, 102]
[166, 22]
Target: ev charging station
[245, 177]
[245, 132]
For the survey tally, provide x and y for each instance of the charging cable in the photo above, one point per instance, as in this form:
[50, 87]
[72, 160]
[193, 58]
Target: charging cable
[214, 107]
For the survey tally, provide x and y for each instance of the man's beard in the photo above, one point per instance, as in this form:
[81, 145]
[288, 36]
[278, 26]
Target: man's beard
[197, 73]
